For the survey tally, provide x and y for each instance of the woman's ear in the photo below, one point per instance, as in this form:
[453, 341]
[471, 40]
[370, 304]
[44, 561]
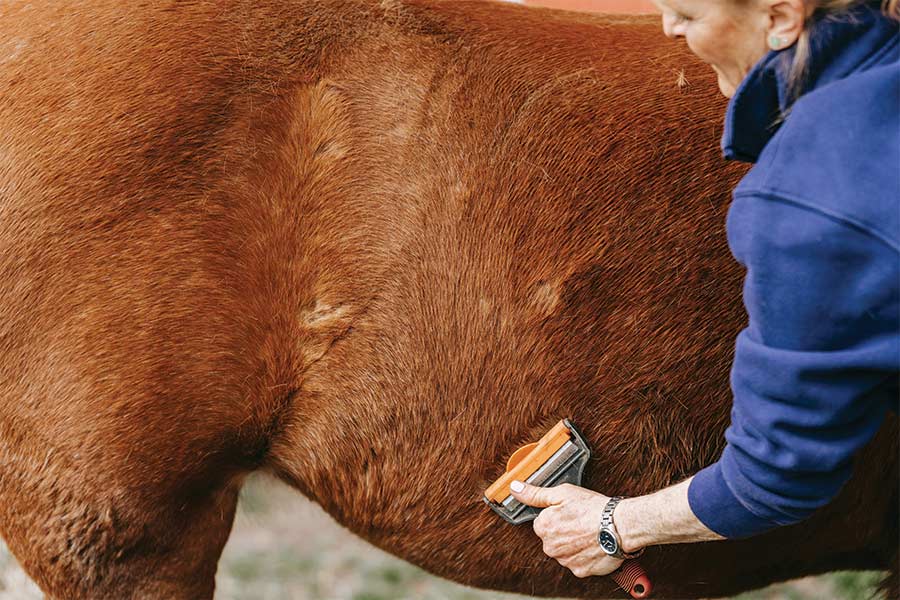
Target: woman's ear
[786, 21]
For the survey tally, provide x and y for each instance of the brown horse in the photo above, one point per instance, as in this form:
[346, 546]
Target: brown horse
[371, 247]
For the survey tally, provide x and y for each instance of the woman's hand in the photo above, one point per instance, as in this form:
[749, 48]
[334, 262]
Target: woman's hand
[568, 526]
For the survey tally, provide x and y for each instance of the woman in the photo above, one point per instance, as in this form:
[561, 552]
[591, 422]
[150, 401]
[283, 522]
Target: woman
[815, 97]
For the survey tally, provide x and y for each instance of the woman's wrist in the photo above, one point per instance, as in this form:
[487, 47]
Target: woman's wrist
[664, 517]
[631, 536]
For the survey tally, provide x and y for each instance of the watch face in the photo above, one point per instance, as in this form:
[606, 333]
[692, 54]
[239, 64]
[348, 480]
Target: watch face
[608, 542]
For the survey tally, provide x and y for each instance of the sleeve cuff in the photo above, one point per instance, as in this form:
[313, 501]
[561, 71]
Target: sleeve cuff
[712, 501]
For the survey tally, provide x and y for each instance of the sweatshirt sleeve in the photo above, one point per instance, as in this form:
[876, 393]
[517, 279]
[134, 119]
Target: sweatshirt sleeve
[814, 372]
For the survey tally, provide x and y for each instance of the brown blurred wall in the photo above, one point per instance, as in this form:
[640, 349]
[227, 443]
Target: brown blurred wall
[614, 6]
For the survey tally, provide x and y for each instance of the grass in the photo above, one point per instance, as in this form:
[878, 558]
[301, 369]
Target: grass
[855, 585]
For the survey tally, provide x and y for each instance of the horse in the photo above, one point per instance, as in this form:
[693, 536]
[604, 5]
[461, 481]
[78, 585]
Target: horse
[370, 247]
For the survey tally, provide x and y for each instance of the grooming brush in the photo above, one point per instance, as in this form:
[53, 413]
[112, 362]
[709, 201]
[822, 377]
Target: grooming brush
[558, 457]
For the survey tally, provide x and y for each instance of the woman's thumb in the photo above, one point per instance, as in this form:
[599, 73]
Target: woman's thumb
[539, 497]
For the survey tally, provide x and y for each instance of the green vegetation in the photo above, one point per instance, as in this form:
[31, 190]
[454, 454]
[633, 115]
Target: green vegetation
[850, 585]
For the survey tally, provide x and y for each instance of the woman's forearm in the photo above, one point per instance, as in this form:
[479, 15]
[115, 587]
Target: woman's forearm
[664, 517]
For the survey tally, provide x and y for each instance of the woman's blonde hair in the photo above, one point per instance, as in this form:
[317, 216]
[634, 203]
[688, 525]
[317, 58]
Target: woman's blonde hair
[823, 9]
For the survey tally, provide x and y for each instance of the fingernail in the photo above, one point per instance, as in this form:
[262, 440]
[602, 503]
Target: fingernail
[517, 486]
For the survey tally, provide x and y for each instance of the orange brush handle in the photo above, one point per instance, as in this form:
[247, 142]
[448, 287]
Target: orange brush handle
[633, 579]
[528, 459]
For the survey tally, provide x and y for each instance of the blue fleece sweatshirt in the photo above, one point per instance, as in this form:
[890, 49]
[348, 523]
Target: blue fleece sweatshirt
[816, 223]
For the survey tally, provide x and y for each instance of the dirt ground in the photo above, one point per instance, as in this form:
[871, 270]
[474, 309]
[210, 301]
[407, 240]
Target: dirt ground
[283, 547]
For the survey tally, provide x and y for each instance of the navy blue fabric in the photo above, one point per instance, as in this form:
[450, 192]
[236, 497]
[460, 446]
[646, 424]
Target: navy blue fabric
[816, 223]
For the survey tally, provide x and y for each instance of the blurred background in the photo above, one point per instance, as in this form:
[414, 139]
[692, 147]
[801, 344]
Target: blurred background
[615, 6]
[283, 547]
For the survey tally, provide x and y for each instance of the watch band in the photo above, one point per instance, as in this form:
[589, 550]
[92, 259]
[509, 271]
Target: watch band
[607, 525]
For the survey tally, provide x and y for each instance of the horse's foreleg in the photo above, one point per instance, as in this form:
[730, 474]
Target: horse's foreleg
[93, 516]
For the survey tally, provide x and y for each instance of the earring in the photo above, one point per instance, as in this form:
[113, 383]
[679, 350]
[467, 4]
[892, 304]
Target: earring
[775, 42]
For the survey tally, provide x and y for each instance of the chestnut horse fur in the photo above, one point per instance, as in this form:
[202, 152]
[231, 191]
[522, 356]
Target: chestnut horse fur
[370, 247]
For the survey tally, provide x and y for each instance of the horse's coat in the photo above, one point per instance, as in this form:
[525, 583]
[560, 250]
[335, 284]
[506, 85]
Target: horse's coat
[348, 241]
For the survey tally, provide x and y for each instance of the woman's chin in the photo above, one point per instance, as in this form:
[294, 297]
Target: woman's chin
[726, 87]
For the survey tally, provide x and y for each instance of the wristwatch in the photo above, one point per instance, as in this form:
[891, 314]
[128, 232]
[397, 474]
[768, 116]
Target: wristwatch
[608, 536]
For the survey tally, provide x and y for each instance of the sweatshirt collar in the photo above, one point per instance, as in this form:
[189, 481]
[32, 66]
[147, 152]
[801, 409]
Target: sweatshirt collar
[838, 47]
